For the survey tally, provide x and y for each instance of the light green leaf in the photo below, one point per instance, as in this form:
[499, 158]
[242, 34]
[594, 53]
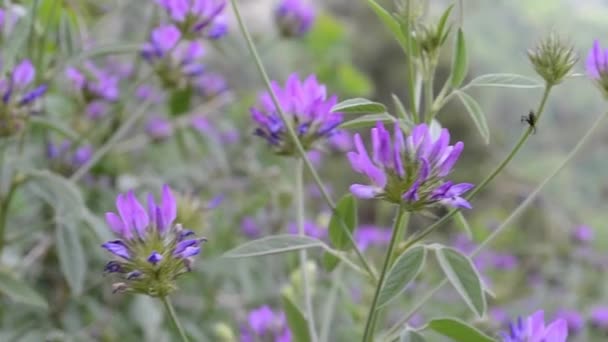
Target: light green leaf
[391, 23]
[72, 259]
[359, 106]
[442, 21]
[458, 330]
[62, 194]
[464, 224]
[461, 273]
[504, 81]
[19, 291]
[296, 321]
[367, 121]
[408, 335]
[273, 245]
[476, 114]
[460, 63]
[346, 213]
[405, 269]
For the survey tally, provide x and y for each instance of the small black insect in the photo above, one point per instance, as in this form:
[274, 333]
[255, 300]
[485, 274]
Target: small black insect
[530, 119]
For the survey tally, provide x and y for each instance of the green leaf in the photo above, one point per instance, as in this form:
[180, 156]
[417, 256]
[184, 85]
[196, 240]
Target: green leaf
[55, 126]
[72, 259]
[346, 213]
[442, 21]
[326, 34]
[391, 23]
[505, 81]
[180, 100]
[461, 273]
[62, 194]
[19, 291]
[367, 121]
[400, 109]
[330, 261]
[464, 224]
[405, 269]
[352, 81]
[476, 114]
[296, 321]
[359, 106]
[459, 63]
[408, 335]
[273, 245]
[458, 330]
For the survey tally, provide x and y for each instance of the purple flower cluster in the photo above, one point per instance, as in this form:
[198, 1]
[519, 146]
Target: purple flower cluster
[265, 324]
[197, 18]
[308, 109]
[367, 236]
[409, 171]
[310, 229]
[533, 329]
[152, 252]
[64, 157]
[98, 86]
[294, 17]
[18, 94]
[597, 66]
[487, 259]
[159, 128]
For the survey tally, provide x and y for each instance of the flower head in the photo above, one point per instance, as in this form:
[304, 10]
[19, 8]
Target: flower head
[597, 66]
[366, 236]
[582, 234]
[18, 94]
[310, 229]
[94, 82]
[533, 329]
[197, 18]
[65, 157]
[151, 250]
[553, 59]
[599, 317]
[409, 171]
[159, 128]
[263, 322]
[308, 109]
[575, 320]
[294, 17]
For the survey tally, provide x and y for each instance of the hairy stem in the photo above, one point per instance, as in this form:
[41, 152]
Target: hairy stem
[171, 312]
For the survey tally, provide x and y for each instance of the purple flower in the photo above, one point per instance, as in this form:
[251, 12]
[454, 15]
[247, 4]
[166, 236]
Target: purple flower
[533, 329]
[599, 317]
[294, 17]
[148, 236]
[82, 155]
[64, 157]
[367, 235]
[409, 171]
[574, 319]
[97, 109]
[250, 228]
[197, 17]
[597, 65]
[307, 107]
[95, 83]
[159, 128]
[211, 84]
[162, 40]
[582, 234]
[310, 229]
[265, 323]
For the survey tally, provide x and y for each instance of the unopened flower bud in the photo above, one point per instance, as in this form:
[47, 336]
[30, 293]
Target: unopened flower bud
[553, 58]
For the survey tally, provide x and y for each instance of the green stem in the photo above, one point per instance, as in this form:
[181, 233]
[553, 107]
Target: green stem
[5, 202]
[294, 137]
[400, 220]
[515, 214]
[171, 312]
[488, 178]
[428, 94]
[411, 81]
[303, 253]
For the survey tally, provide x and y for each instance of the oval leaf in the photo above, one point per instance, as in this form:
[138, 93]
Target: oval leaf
[367, 121]
[458, 330]
[344, 216]
[359, 106]
[404, 270]
[505, 81]
[273, 245]
[296, 321]
[459, 63]
[476, 114]
[461, 273]
[19, 291]
[72, 259]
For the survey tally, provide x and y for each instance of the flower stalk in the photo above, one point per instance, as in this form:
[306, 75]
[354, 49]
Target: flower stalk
[171, 312]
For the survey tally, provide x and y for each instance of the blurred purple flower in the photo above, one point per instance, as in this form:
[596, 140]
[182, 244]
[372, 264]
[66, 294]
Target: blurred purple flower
[94, 82]
[211, 84]
[597, 66]
[499, 315]
[533, 329]
[159, 128]
[17, 90]
[409, 171]
[310, 229]
[82, 155]
[62, 155]
[264, 323]
[368, 235]
[599, 317]
[503, 261]
[582, 234]
[97, 109]
[294, 17]
[147, 92]
[250, 228]
[197, 17]
[202, 124]
[341, 141]
[307, 107]
[575, 320]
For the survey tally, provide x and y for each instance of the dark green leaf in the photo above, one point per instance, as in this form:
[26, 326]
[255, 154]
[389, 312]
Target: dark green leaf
[273, 245]
[461, 273]
[19, 291]
[346, 213]
[411, 336]
[460, 63]
[458, 330]
[367, 121]
[296, 321]
[180, 101]
[72, 259]
[405, 269]
[330, 261]
[359, 106]
[476, 114]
